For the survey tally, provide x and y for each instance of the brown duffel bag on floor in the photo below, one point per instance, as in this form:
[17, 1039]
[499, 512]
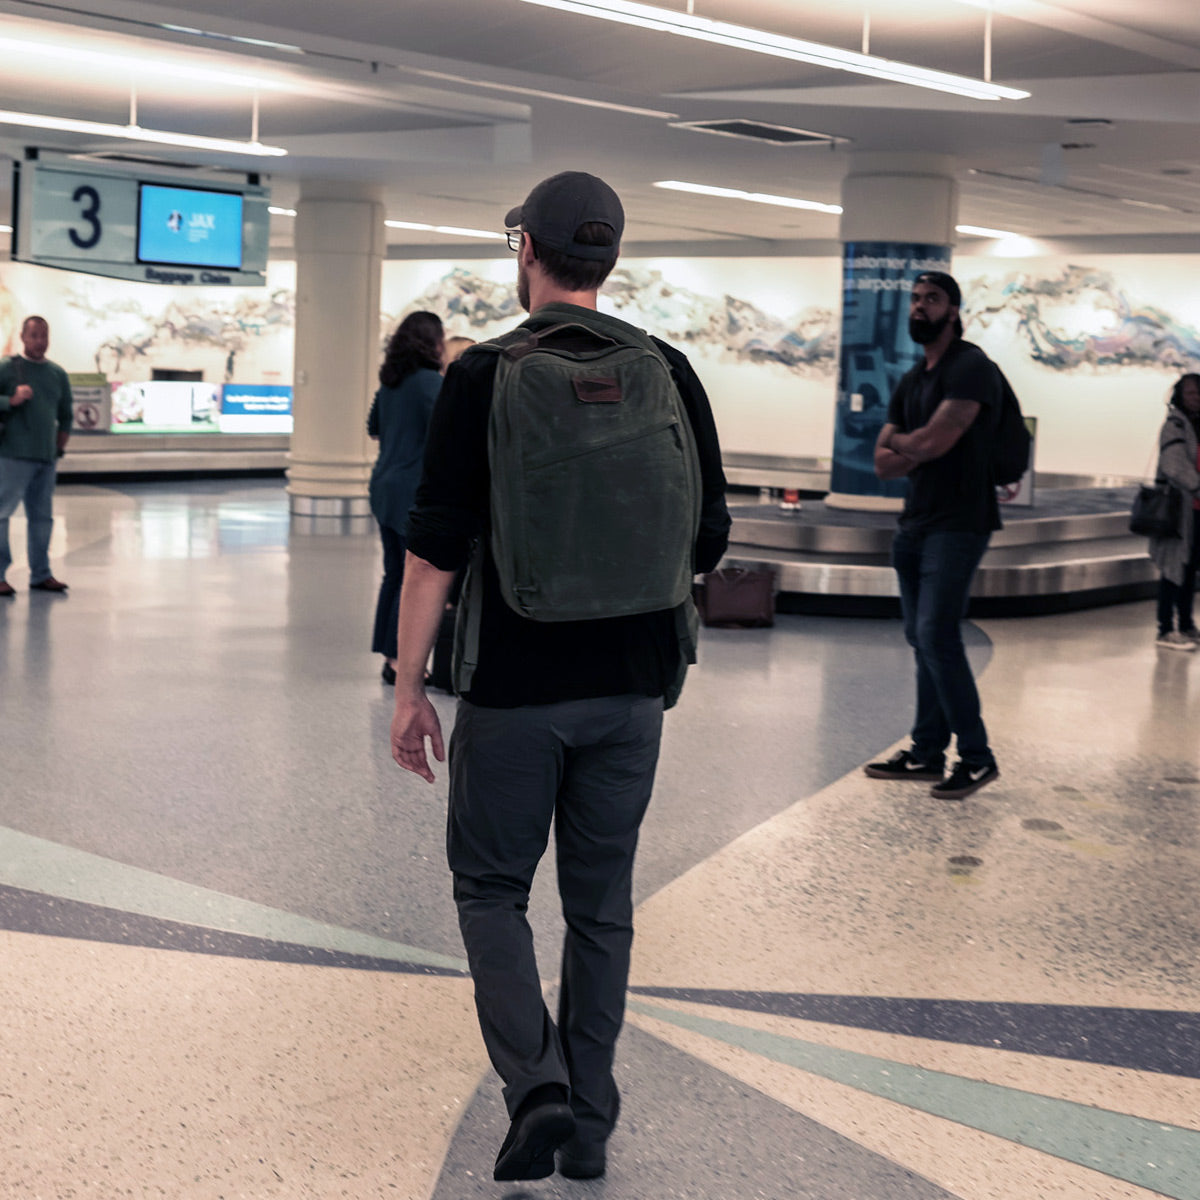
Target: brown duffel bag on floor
[737, 596]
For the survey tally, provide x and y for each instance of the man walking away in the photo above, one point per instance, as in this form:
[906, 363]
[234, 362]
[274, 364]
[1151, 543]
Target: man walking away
[565, 662]
[938, 433]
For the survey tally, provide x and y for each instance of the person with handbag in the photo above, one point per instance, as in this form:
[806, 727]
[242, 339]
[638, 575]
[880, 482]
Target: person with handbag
[1177, 556]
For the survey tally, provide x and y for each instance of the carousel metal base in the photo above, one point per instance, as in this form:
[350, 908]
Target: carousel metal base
[1071, 549]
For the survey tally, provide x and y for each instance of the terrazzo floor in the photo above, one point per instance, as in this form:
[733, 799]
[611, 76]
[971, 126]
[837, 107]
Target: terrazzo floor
[231, 966]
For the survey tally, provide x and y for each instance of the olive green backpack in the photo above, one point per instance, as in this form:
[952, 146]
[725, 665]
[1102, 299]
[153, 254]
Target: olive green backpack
[595, 481]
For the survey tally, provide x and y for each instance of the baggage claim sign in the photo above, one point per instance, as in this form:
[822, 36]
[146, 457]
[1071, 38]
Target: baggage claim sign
[149, 226]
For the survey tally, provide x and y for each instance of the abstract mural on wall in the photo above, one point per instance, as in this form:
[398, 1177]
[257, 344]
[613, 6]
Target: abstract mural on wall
[126, 330]
[470, 302]
[1081, 316]
[761, 333]
[1091, 345]
[231, 325]
[731, 326]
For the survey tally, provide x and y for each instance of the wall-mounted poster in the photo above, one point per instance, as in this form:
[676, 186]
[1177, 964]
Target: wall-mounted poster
[876, 350]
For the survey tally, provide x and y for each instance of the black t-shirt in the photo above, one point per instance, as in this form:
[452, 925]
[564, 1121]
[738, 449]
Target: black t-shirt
[954, 493]
[524, 662]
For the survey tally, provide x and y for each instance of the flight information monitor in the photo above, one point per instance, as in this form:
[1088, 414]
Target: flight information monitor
[189, 228]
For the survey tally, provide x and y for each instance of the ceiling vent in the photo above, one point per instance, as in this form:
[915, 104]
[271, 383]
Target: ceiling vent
[759, 131]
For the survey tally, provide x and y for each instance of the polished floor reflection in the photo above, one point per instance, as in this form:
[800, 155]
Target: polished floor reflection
[232, 968]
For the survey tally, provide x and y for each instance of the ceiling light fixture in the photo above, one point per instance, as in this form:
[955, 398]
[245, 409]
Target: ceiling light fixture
[704, 189]
[137, 67]
[740, 37]
[537, 93]
[287, 47]
[135, 133]
[450, 229]
[1151, 204]
[984, 231]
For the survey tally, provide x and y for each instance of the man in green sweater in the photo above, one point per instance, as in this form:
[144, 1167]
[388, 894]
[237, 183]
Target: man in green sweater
[37, 410]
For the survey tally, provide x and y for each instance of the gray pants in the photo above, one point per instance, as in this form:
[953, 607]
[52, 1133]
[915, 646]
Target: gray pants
[588, 766]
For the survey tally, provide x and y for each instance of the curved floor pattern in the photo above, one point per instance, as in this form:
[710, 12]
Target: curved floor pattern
[232, 967]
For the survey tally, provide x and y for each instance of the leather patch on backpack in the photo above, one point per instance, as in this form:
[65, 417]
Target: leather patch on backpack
[595, 389]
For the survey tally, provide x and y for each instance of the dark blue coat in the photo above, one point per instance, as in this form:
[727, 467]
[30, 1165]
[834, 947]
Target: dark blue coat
[399, 418]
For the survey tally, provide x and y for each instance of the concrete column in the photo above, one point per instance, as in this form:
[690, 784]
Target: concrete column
[339, 237]
[898, 218]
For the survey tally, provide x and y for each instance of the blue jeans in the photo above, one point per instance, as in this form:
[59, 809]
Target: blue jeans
[935, 571]
[30, 481]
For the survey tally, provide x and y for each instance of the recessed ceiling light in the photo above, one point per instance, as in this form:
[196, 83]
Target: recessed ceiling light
[232, 37]
[984, 231]
[1150, 204]
[137, 65]
[454, 230]
[704, 189]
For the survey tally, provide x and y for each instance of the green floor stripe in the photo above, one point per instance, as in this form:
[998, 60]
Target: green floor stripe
[37, 865]
[1164, 1158]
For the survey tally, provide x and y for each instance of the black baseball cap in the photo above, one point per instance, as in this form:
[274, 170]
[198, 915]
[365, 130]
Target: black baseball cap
[558, 206]
[948, 284]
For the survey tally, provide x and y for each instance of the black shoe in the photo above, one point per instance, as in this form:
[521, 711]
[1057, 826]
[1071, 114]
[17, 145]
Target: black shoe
[905, 765]
[581, 1161]
[388, 674]
[533, 1137]
[49, 584]
[964, 780]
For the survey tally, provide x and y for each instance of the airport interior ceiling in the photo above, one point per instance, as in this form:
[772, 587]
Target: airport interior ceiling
[452, 108]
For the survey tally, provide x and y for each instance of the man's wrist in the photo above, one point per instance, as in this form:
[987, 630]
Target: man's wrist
[408, 690]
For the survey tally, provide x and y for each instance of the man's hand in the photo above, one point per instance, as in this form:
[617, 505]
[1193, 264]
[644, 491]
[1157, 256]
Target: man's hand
[413, 721]
[24, 392]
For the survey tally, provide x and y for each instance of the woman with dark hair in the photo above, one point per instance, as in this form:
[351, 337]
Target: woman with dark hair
[1177, 557]
[410, 379]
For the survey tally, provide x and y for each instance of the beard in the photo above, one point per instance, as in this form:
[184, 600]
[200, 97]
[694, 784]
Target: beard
[522, 288]
[923, 331]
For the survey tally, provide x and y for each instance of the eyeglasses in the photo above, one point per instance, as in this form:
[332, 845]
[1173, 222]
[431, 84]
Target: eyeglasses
[514, 239]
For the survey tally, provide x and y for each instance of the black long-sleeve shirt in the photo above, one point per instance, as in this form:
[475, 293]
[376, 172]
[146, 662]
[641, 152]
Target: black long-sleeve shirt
[524, 662]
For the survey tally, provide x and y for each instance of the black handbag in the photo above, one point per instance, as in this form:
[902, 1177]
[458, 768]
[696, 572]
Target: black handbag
[1157, 509]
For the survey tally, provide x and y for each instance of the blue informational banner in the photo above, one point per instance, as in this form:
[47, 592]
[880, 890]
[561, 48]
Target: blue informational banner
[876, 350]
[256, 408]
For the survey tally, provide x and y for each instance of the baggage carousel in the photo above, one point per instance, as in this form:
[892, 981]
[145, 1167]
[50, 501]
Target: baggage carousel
[1071, 549]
